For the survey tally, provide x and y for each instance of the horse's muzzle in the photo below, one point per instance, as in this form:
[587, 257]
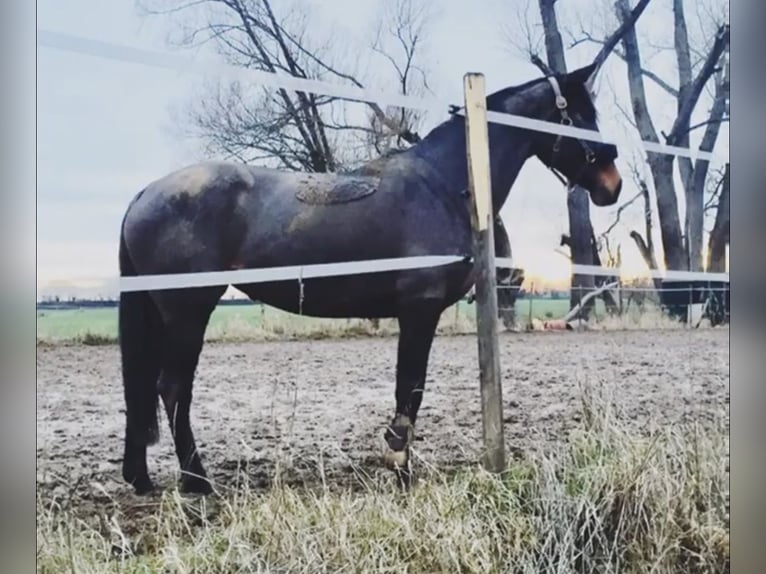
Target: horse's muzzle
[608, 186]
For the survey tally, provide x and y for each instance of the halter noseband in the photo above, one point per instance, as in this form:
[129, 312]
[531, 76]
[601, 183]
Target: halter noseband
[566, 120]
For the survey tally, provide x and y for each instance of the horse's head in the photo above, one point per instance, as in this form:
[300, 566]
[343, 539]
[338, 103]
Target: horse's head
[586, 163]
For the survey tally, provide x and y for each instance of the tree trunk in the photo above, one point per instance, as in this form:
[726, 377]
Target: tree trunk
[719, 237]
[606, 296]
[695, 195]
[580, 247]
[719, 303]
[661, 165]
[667, 207]
[554, 47]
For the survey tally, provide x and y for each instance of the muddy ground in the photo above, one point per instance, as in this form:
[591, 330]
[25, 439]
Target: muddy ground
[297, 402]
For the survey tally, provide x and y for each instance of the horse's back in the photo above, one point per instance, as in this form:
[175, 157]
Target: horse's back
[197, 181]
[188, 218]
[223, 215]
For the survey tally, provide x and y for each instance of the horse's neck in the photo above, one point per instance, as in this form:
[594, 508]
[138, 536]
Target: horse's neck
[509, 149]
[445, 149]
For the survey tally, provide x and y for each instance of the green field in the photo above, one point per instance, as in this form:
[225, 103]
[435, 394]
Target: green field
[99, 325]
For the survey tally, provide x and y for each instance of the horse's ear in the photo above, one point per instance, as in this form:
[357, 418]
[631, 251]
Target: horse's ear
[584, 76]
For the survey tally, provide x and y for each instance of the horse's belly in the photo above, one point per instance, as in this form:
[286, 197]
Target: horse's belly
[369, 296]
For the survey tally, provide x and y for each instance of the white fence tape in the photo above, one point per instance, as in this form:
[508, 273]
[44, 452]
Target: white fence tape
[654, 274]
[292, 272]
[112, 51]
[303, 272]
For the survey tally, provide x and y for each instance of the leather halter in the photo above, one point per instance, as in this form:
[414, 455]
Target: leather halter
[566, 120]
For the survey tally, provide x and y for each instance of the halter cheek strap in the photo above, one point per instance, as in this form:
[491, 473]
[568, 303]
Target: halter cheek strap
[566, 120]
[561, 104]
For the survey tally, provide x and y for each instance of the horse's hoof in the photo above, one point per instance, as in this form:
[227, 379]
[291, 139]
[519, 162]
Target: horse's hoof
[400, 433]
[399, 463]
[140, 481]
[196, 485]
[142, 486]
[396, 459]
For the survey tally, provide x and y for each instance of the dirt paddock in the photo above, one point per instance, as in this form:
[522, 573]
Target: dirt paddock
[329, 400]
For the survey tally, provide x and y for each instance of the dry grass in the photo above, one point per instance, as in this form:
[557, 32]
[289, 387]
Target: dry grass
[651, 317]
[283, 327]
[605, 500]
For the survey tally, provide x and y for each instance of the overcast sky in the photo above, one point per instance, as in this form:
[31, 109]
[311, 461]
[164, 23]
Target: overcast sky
[105, 127]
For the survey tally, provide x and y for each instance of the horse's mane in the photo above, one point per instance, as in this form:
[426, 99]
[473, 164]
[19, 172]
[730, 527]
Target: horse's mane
[375, 166]
[580, 98]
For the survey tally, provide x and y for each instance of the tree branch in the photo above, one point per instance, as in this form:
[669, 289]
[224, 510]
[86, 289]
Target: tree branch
[702, 124]
[620, 54]
[681, 43]
[690, 100]
[292, 129]
[611, 42]
[638, 94]
[396, 128]
[643, 249]
[622, 208]
[542, 66]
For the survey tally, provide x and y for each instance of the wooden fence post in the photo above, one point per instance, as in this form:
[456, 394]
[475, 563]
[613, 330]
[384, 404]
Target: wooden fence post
[479, 186]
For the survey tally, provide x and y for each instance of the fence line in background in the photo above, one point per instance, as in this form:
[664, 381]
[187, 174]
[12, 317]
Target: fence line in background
[112, 51]
[524, 295]
[621, 287]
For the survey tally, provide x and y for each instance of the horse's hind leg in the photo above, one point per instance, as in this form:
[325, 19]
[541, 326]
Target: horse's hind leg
[140, 329]
[184, 332]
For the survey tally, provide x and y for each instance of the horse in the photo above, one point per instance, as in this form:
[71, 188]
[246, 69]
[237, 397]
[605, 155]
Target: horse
[222, 215]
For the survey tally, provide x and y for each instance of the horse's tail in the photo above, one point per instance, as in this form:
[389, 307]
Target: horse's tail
[140, 327]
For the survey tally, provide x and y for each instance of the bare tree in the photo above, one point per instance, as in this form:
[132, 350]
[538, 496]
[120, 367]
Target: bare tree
[401, 29]
[297, 130]
[581, 239]
[696, 65]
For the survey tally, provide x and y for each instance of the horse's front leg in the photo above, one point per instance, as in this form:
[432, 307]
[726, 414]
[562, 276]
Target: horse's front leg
[417, 327]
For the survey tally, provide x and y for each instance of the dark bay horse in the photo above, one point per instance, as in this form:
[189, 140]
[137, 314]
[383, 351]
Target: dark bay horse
[218, 216]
